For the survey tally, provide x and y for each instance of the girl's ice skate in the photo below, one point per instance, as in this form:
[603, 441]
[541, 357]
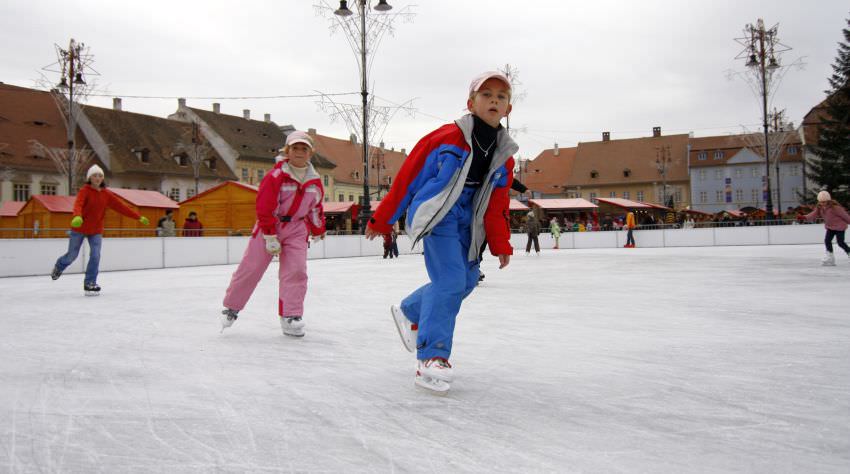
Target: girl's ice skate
[293, 327]
[406, 330]
[228, 317]
[436, 368]
[828, 260]
[432, 385]
[91, 289]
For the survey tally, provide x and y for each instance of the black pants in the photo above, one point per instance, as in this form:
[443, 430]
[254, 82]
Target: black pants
[532, 238]
[828, 240]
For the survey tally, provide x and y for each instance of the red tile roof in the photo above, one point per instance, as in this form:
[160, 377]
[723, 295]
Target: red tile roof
[348, 157]
[337, 207]
[575, 203]
[64, 204]
[517, 206]
[624, 203]
[548, 172]
[142, 198]
[11, 208]
[730, 145]
[610, 159]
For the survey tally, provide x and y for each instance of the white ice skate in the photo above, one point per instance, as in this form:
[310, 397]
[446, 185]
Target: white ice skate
[293, 327]
[406, 330]
[432, 385]
[436, 368]
[91, 289]
[828, 260]
[228, 317]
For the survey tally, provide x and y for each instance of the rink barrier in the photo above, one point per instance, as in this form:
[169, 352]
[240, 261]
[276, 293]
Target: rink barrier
[31, 257]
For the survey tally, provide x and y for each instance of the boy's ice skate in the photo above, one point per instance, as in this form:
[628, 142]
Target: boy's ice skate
[56, 273]
[228, 317]
[293, 327]
[429, 378]
[828, 260]
[406, 330]
[91, 289]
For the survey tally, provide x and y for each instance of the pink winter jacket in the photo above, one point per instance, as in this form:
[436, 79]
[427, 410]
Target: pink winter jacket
[284, 202]
[834, 216]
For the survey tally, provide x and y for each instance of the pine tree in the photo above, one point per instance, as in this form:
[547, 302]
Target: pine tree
[830, 169]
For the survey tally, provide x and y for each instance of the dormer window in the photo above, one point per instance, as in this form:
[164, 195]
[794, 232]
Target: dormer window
[594, 174]
[792, 149]
[211, 163]
[143, 155]
[702, 156]
[182, 159]
[238, 130]
[719, 154]
[627, 172]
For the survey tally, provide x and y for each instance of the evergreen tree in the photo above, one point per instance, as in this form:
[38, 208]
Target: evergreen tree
[831, 168]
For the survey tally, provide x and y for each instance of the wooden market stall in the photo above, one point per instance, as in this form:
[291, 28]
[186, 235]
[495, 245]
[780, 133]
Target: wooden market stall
[227, 209]
[618, 207]
[339, 216]
[46, 216]
[566, 210]
[151, 204]
[9, 219]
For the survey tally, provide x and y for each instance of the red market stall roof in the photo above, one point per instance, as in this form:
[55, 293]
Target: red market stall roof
[656, 206]
[63, 204]
[11, 208]
[623, 203]
[226, 183]
[734, 213]
[517, 206]
[141, 198]
[699, 213]
[577, 204]
[337, 207]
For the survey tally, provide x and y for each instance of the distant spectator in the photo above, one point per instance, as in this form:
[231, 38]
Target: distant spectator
[555, 229]
[165, 226]
[532, 228]
[193, 227]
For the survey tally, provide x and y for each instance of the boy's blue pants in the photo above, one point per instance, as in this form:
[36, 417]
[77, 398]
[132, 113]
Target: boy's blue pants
[434, 306]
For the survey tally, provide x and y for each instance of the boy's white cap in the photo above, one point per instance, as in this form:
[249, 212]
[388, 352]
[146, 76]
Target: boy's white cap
[824, 196]
[94, 170]
[482, 78]
[298, 137]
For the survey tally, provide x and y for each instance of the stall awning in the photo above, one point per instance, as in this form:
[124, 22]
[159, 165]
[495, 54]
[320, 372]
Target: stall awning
[656, 206]
[143, 198]
[337, 207]
[11, 208]
[517, 206]
[576, 204]
[623, 203]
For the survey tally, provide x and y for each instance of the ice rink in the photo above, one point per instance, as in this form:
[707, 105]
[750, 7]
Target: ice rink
[728, 359]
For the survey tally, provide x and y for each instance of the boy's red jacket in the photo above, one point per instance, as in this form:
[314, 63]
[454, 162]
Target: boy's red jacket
[432, 178]
[91, 205]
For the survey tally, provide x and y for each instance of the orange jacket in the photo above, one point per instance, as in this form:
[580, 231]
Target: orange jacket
[91, 205]
[630, 220]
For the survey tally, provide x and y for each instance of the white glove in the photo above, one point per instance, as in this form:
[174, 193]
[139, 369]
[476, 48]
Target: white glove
[272, 244]
[317, 238]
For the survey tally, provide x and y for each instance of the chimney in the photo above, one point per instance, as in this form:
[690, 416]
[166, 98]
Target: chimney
[606, 136]
[381, 145]
[267, 118]
[246, 114]
[116, 103]
[311, 131]
[352, 138]
[656, 131]
[404, 151]
[556, 151]
[181, 102]
[216, 108]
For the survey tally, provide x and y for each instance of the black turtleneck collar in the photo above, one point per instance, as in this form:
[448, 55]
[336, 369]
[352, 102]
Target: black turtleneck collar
[483, 131]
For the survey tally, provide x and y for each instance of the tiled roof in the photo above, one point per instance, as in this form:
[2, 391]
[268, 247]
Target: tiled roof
[29, 114]
[574, 203]
[812, 121]
[251, 139]
[64, 204]
[548, 173]
[730, 145]
[141, 198]
[624, 203]
[348, 157]
[517, 206]
[337, 207]
[226, 183]
[128, 132]
[611, 159]
[11, 208]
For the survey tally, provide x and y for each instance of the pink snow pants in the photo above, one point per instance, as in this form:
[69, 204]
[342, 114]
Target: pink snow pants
[292, 274]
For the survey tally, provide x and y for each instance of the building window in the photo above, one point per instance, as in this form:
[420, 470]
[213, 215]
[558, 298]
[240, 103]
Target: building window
[739, 195]
[792, 149]
[677, 196]
[350, 197]
[625, 195]
[702, 156]
[755, 172]
[719, 154]
[244, 174]
[211, 163]
[174, 194]
[640, 195]
[190, 193]
[627, 172]
[593, 198]
[795, 171]
[389, 180]
[718, 196]
[718, 174]
[341, 198]
[260, 174]
[143, 155]
[594, 174]
[21, 192]
[795, 192]
[327, 198]
[612, 194]
[703, 197]
[325, 179]
[182, 159]
[702, 175]
[49, 189]
[754, 196]
[739, 172]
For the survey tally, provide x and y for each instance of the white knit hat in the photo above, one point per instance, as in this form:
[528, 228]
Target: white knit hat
[824, 196]
[94, 169]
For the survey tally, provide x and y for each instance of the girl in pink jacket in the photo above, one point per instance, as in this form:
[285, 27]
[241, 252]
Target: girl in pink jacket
[289, 211]
[835, 219]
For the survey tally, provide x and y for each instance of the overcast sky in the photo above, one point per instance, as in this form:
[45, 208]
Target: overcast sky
[585, 67]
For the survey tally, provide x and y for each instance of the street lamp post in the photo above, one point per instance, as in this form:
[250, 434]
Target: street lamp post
[344, 11]
[72, 74]
[662, 163]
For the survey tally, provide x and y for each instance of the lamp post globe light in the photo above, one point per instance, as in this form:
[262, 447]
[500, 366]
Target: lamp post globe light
[344, 11]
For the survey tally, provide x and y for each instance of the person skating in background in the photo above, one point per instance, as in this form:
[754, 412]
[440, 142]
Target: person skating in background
[165, 226]
[532, 229]
[388, 245]
[517, 186]
[192, 227]
[555, 229]
[630, 225]
[454, 187]
[289, 211]
[89, 210]
[835, 220]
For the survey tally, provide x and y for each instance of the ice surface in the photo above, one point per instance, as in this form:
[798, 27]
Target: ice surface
[731, 359]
